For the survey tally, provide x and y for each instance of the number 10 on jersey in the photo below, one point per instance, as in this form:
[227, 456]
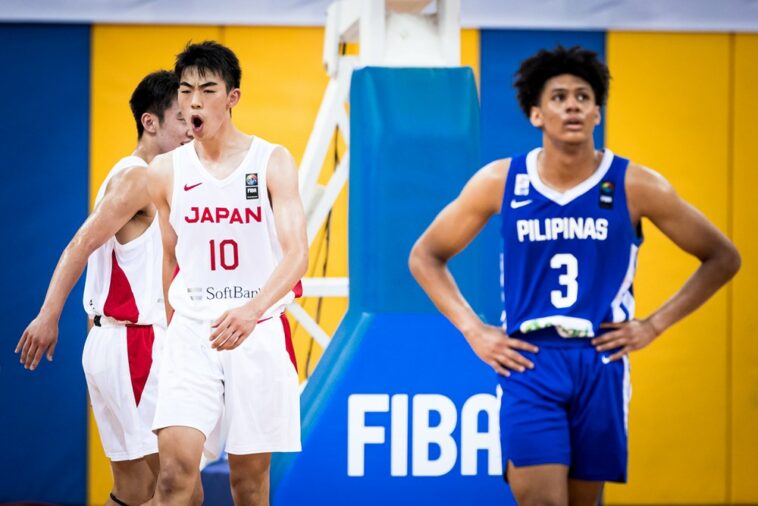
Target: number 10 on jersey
[227, 253]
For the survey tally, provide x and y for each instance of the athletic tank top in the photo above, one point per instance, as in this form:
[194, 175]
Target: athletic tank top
[227, 245]
[568, 259]
[124, 281]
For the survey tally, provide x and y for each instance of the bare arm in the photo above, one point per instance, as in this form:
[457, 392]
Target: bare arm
[160, 185]
[651, 196]
[233, 327]
[125, 196]
[451, 231]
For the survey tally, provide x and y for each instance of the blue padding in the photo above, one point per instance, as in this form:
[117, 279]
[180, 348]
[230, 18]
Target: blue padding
[216, 487]
[45, 167]
[505, 129]
[414, 143]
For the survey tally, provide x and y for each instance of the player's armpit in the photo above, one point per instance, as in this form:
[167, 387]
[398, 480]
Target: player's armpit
[125, 196]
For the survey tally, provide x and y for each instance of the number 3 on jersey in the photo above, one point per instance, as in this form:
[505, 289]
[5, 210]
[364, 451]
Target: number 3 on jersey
[228, 254]
[567, 279]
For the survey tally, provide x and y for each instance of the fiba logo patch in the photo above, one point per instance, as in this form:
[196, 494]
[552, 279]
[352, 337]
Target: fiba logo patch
[251, 186]
[607, 189]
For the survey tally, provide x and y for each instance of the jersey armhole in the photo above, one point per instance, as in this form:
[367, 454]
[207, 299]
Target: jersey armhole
[635, 233]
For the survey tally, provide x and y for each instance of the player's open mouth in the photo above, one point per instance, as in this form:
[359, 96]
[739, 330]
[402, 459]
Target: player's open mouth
[573, 124]
[197, 123]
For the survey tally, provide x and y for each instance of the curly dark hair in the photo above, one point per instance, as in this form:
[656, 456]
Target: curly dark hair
[536, 70]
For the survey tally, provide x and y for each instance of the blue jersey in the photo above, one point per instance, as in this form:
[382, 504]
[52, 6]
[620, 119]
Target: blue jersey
[568, 258]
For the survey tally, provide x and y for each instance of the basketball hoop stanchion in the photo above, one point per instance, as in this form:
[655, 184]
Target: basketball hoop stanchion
[389, 33]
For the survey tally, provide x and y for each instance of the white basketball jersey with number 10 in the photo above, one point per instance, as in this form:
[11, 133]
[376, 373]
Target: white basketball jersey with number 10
[227, 245]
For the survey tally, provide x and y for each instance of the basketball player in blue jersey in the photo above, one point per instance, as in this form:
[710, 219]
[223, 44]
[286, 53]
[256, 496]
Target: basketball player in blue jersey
[571, 226]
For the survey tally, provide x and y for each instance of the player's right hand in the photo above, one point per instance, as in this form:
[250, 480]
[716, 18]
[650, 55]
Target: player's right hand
[39, 338]
[498, 350]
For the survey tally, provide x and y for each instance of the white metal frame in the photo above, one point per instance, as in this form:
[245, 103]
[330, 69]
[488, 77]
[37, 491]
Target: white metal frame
[369, 23]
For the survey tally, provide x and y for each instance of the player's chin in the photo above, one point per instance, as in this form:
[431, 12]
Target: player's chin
[575, 137]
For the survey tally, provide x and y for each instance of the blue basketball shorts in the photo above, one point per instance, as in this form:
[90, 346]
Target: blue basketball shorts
[571, 409]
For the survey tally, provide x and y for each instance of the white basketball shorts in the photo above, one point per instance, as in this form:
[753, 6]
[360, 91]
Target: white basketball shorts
[121, 367]
[248, 396]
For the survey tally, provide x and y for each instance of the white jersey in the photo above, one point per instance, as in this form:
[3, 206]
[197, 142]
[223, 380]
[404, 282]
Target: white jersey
[227, 245]
[124, 281]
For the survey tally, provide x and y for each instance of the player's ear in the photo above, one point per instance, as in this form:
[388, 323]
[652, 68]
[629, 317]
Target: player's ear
[234, 97]
[598, 115]
[149, 122]
[535, 117]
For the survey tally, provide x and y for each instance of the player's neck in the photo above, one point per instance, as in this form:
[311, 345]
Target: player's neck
[562, 167]
[146, 150]
[223, 141]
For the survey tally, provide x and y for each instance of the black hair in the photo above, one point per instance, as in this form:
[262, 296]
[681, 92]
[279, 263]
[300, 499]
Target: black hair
[536, 70]
[154, 94]
[210, 56]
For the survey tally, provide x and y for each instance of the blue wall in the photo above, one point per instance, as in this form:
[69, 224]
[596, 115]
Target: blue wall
[45, 169]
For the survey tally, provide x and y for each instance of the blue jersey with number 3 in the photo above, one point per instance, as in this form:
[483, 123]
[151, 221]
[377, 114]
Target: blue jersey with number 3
[568, 258]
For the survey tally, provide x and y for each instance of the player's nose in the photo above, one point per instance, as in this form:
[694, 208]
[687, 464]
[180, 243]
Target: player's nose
[196, 99]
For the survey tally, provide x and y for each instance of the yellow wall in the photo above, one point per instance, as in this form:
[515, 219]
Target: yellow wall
[744, 317]
[280, 99]
[691, 440]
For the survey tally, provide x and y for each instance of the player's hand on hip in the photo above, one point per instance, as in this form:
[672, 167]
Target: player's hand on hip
[232, 328]
[626, 336]
[499, 351]
[39, 338]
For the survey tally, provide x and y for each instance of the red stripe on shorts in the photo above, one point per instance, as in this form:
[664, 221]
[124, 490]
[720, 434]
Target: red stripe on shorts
[120, 303]
[139, 349]
[288, 340]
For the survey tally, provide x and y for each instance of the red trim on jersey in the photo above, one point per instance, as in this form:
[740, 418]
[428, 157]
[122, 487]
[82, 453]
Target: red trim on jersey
[298, 289]
[139, 349]
[288, 340]
[120, 303]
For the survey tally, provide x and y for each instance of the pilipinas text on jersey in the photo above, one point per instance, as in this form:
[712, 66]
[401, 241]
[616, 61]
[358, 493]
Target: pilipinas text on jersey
[568, 259]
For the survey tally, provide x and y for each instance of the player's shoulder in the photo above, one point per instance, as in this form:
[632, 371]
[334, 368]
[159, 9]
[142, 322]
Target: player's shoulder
[484, 191]
[280, 156]
[496, 171]
[130, 174]
[161, 168]
[644, 181]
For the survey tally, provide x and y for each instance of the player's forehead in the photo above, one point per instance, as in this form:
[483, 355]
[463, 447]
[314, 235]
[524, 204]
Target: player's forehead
[568, 82]
[195, 76]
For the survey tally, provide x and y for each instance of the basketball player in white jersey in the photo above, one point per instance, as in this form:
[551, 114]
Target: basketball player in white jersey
[120, 244]
[234, 237]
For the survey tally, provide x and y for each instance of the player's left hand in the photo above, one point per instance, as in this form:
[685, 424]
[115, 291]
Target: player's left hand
[38, 340]
[628, 336]
[232, 328]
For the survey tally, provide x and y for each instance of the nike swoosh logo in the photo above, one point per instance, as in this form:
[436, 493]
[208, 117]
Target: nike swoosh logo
[605, 360]
[189, 187]
[515, 204]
